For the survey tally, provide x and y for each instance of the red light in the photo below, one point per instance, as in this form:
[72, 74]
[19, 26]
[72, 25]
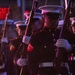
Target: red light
[3, 12]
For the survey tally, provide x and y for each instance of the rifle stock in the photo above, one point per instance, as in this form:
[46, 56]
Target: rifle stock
[5, 23]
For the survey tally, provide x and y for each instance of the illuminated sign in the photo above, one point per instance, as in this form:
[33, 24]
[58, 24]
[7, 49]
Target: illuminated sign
[3, 12]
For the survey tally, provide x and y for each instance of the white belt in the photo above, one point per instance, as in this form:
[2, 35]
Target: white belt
[50, 64]
[46, 64]
[72, 58]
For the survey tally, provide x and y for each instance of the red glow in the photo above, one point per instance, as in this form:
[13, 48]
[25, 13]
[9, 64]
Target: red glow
[3, 12]
[30, 48]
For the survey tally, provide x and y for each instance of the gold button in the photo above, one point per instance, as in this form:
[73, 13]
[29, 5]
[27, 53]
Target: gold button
[53, 34]
[54, 40]
[45, 46]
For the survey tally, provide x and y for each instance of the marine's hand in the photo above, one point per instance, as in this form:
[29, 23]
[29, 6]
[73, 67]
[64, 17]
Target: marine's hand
[21, 62]
[63, 43]
[4, 40]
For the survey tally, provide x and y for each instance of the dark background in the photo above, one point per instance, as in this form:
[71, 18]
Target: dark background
[16, 12]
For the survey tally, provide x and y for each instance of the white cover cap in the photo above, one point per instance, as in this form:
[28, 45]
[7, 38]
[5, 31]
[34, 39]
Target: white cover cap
[10, 21]
[51, 9]
[26, 14]
[20, 23]
[36, 15]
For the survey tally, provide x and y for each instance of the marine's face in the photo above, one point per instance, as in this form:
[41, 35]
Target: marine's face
[20, 31]
[50, 22]
[37, 25]
[73, 29]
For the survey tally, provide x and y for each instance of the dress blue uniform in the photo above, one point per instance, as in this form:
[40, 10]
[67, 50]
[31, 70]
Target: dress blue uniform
[42, 50]
[18, 45]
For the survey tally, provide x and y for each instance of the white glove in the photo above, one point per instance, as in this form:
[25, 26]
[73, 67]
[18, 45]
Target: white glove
[4, 40]
[3, 73]
[21, 62]
[63, 43]
[2, 66]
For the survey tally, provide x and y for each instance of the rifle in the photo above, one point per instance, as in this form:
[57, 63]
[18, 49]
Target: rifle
[61, 51]
[2, 53]
[28, 34]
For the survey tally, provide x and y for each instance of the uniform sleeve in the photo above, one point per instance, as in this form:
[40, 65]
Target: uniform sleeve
[15, 43]
[33, 56]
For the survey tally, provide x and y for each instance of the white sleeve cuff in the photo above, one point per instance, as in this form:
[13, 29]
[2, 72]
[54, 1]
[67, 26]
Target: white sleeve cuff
[2, 66]
[26, 39]
[4, 40]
